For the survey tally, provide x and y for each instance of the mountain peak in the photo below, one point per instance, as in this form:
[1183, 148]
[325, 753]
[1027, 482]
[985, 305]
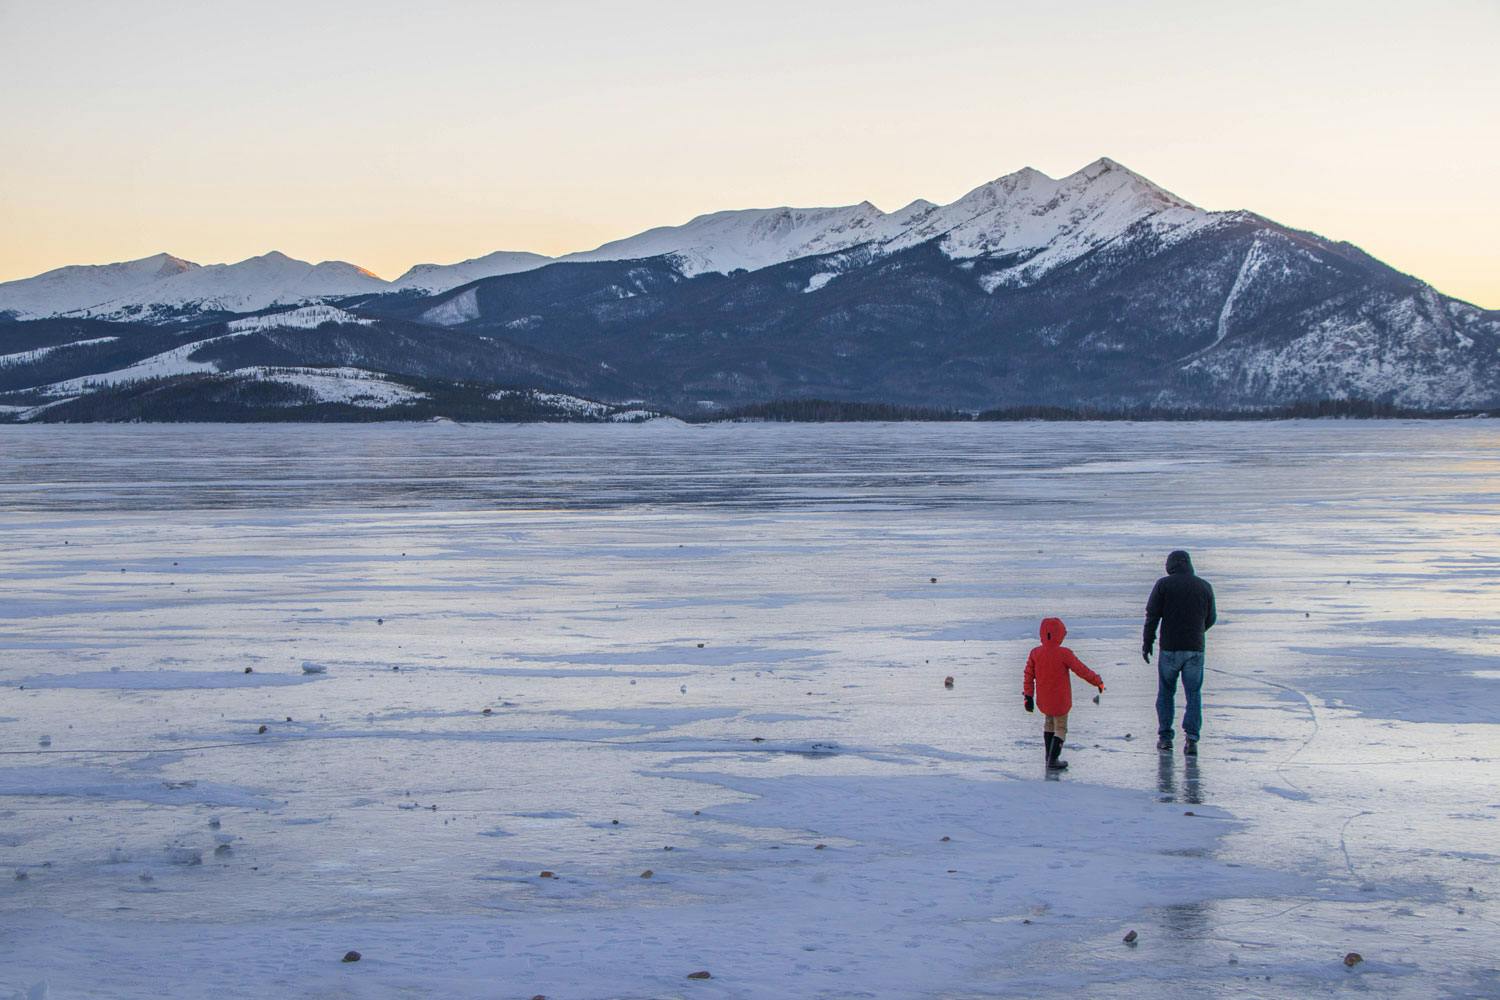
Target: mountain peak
[1105, 168]
[1103, 165]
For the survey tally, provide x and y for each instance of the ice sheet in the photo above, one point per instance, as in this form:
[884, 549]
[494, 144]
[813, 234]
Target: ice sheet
[510, 619]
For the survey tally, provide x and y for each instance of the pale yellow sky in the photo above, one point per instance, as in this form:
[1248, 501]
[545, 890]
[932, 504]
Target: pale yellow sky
[394, 133]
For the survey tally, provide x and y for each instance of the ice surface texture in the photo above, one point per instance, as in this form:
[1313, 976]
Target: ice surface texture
[563, 578]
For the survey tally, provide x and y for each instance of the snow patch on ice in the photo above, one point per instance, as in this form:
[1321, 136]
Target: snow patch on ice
[63, 781]
[163, 680]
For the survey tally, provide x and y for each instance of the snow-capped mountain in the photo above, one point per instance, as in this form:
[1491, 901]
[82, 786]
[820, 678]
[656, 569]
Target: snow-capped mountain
[432, 278]
[1099, 288]
[79, 286]
[747, 239]
[1023, 213]
[248, 286]
[1045, 222]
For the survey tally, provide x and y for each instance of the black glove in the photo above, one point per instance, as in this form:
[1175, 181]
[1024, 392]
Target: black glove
[1030, 705]
[1146, 653]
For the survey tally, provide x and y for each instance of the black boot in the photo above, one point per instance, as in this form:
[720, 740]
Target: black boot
[1053, 764]
[1047, 752]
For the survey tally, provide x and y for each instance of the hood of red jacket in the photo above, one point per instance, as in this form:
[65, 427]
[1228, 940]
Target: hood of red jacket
[1052, 631]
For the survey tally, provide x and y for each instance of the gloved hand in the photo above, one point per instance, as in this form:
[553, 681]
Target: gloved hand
[1146, 653]
[1030, 705]
[1100, 685]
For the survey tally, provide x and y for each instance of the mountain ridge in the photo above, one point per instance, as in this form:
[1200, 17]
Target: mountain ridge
[1095, 290]
[722, 241]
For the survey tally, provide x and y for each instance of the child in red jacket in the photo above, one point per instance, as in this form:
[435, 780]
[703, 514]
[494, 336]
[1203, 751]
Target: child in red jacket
[1047, 677]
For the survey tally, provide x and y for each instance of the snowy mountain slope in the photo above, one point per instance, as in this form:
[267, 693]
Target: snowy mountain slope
[1037, 221]
[177, 361]
[303, 318]
[432, 278]
[1044, 220]
[38, 353]
[69, 289]
[1099, 288]
[248, 286]
[747, 239]
[1028, 211]
[350, 386]
[1147, 305]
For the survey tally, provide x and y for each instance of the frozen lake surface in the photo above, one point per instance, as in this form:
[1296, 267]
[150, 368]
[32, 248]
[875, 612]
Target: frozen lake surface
[717, 653]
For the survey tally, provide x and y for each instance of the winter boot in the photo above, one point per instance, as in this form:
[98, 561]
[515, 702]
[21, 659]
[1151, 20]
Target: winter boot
[1055, 746]
[1190, 748]
[1047, 743]
[1164, 744]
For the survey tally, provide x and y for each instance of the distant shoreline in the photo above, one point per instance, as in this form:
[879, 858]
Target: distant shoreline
[854, 413]
[828, 411]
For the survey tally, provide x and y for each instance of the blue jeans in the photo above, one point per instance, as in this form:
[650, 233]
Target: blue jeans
[1170, 664]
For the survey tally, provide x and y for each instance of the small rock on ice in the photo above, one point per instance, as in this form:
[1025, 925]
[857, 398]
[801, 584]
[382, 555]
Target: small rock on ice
[1131, 937]
[1353, 958]
[700, 974]
[351, 956]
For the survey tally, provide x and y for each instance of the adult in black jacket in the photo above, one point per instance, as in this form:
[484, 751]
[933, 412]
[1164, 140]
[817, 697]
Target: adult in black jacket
[1182, 604]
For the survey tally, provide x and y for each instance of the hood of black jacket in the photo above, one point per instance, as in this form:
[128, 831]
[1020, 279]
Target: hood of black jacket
[1179, 562]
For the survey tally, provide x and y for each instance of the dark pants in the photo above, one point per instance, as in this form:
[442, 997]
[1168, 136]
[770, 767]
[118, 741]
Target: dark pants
[1170, 664]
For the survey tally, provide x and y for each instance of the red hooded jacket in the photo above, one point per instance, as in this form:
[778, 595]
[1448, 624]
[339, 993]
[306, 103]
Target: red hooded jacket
[1047, 671]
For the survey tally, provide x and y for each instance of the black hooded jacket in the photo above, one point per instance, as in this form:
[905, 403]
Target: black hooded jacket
[1183, 604]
